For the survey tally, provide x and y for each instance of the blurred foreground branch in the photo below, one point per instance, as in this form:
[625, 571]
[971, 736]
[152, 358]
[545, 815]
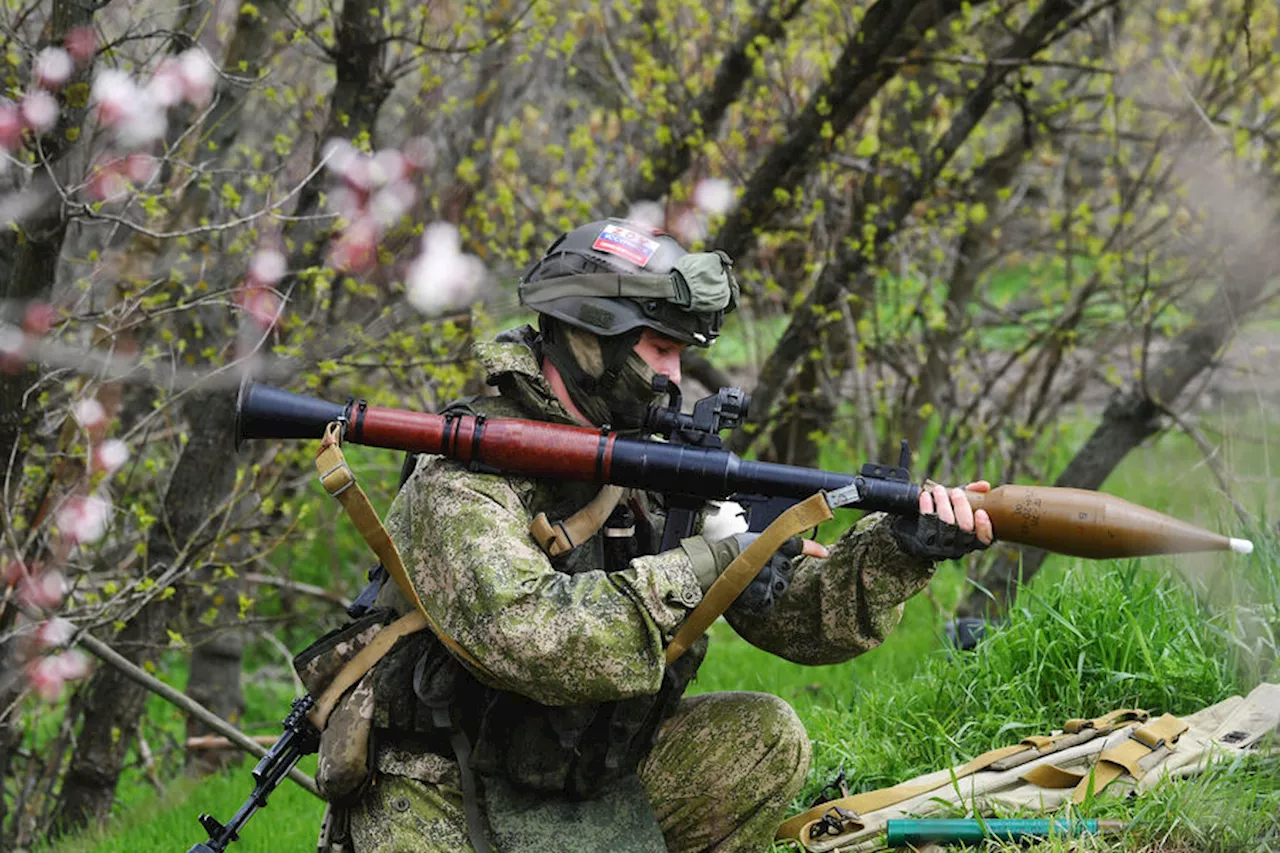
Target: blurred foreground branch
[139, 676]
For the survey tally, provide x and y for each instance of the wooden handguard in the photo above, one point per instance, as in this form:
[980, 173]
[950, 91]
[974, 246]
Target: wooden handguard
[808, 513]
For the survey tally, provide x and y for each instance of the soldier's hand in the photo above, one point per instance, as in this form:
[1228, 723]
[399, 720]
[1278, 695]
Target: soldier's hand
[947, 527]
[952, 507]
[710, 559]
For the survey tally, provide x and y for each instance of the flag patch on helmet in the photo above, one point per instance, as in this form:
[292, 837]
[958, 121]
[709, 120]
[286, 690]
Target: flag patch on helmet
[626, 243]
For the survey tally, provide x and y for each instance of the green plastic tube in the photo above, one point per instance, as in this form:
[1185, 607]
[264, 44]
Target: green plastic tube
[905, 832]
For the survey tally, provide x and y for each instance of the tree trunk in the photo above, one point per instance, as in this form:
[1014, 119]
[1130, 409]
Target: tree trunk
[203, 479]
[214, 679]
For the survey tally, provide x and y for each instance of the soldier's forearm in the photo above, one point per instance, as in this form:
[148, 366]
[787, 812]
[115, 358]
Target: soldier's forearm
[842, 606]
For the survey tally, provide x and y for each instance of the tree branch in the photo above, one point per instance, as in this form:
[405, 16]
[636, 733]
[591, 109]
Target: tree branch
[139, 676]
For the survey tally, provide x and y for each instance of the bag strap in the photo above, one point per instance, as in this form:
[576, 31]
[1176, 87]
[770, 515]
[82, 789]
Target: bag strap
[340, 482]
[1074, 732]
[1159, 735]
[738, 574]
[354, 670]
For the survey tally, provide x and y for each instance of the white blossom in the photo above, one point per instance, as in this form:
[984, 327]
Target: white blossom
[54, 633]
[443, 277]
[39, 111]
[12, 339]
[88, 413]
[111, 454]
[267, 267]
[647, 213]
[52, 67]
[337, 153]
[392, 202]
[713, 195]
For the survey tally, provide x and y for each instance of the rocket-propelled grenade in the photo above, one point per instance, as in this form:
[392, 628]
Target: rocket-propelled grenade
[1084, 523]
[1076, 522]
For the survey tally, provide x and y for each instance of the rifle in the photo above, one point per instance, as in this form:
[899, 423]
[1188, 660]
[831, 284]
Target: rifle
[300, 738]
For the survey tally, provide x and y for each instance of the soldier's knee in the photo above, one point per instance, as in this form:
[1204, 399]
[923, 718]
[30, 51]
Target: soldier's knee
[783, 735]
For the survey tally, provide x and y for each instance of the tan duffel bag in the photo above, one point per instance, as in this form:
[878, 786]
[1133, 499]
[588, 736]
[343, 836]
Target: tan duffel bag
[1120, 752]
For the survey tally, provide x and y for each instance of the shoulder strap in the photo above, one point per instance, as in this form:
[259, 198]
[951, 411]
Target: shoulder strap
[340, 482]
[738, 574]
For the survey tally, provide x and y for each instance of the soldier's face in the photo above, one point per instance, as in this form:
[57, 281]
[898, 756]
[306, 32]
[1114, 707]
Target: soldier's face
[660, 353]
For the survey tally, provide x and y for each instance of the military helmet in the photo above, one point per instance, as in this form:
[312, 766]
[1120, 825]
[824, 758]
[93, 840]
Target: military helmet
[613, 276]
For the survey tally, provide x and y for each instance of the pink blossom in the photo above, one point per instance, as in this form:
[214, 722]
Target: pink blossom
[199, 77]
[166, 84]
[54, 633]
[43, 591]
[44, 678]
[47, 675]
[391, 202]
[713, 195]
[140, 168]
[52, 67]
[39, 111]
[389, 166]
[135, 115]
[81, 43]
[419, 153]
[267, 267]
[108, 181]
[358, 174]
[443, 277]
[11, 126]
[12, 571]
[89, 413]
[84, 518]
[689, 226]
[113, 95]
[356, 248]
[39, 318]
[110, 455]
[72, 665]
[260, 303]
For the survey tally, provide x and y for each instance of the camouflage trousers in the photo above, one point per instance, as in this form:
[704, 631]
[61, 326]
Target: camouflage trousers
[721, 777]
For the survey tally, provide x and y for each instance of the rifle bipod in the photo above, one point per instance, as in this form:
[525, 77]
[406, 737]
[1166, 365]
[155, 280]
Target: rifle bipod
[300, 738]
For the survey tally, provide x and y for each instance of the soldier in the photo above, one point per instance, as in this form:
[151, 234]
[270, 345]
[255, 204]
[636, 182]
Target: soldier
[575, 736]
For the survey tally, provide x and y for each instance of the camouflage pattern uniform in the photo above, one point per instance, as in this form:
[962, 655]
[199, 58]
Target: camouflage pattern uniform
[726, 765]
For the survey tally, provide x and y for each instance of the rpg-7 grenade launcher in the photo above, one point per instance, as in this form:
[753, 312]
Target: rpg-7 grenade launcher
[690, 467]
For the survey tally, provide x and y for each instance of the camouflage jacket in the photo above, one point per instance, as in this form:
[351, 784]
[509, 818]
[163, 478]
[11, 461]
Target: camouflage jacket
[573, 635]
